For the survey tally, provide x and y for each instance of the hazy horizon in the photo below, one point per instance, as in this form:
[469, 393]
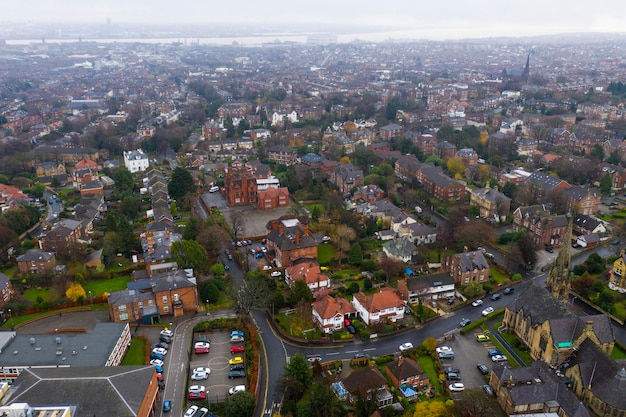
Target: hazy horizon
[454, 19]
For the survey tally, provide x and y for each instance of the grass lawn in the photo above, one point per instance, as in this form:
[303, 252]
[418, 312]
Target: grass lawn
[320, 207]
[32, 294]
[618, 353]
[136, 354]
[620, 309]
[325, 252]
[498, 275]
[106, 286]
[511, 338]
[427, 364]
[294, 325]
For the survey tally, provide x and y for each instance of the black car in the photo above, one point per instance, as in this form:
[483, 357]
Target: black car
[449, 369]
[482, 368]
[495, 296]
[203, 340]
[509, 290]
[236, 374]
[238, 367]
[453, 376]
[164, 338]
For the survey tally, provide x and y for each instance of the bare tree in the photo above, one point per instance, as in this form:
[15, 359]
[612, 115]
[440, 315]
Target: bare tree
[476, 403]
[391, 266]
[344, 236]
[238, 224]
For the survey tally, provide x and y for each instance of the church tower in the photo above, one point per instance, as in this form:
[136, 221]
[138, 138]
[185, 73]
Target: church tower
[526, 74]
[559, 276]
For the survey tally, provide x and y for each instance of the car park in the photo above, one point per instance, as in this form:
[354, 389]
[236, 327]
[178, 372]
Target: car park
[453, 376]
[191, 411]
[465, 322]
[482, 368]
[487, 311]
[456, 387]
[236, 389]
[202, 347]
[237, 349]
[495, 296]
[477, 303]
[236, 360]
[446, 355]
[492, 352]
[482, 338]
[236, 374]
[499, 358]
[488, 390]
[509, 290]
[167, 405]
[406, 346]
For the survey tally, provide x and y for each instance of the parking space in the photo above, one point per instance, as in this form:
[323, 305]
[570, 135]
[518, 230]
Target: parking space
[218, 383]
[467, 353]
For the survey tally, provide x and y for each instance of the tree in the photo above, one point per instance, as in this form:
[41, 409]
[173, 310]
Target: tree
[324, 403]
[124, 181]
[256, 291]
[189, 254]
[527, 249]
[237, 223]
[476, 403]
[614, 158]
[210, 292]
[606, 183]
[180, 184]
[355, 257]
[391, 267]
[456, 166]
[218, 269]
[483, 173]
[473, 234]
[430, 343]
[344, 236]
[299, 292]
[298, 368]
[509, 189]
[192, 229]
[75, 292]
[597, 152]
[431, 409]
[240, 404]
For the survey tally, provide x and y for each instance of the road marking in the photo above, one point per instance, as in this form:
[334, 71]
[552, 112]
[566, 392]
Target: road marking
[332, 353]
[367, 350]
[351, 351]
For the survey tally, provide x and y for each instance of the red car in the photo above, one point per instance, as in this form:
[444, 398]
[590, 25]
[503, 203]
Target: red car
[196, 395]
[237, 349]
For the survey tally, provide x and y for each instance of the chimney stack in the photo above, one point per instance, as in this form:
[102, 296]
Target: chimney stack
[297, 238]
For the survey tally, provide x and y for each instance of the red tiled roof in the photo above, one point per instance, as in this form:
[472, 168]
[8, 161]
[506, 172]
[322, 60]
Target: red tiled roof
[328, 307]
[383, 299]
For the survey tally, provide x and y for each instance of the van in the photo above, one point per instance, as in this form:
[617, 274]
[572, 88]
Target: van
[214, 189]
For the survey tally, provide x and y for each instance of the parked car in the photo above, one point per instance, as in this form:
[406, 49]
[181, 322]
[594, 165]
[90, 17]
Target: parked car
[156, 362]
[499, 358]
[267, 267]
[236, 374]
[488, 390]
[165, 338]
[202, 347]
[406, 346]
[191, 411]
[492, 352]
[197, 388]
[456, 387]
[167, 405]
[202, 339]
[200, 374]
[487, 311]
[482, 368]
[276, 274]
[160, 351]
[259, 255]
[477, 303]
[161, 345]
[449, 369]
[236, 333]
[443, 349]
[482, 338]
[158, 369]
[446, 355]
[196, 395]
[155, 355]
[238, 367]
[237, 349]
[495, 296]
[236, 339]
[465, 322]
[508, 290]
[453, 376]
[236, 389]
[167, 332]
[236, 360]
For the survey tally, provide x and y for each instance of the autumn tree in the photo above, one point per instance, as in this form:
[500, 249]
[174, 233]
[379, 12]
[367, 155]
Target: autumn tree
[473, 234]
[75, 292]
[391, 267]
[430, 343]
[456, 166]
[483, 173]
[431, 409]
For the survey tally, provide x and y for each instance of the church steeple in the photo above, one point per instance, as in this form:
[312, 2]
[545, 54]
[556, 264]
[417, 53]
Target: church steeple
[526, 73]
[559, 279]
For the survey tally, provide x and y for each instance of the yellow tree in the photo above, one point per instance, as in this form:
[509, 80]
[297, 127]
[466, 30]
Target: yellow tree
[431, 409]
[75, 292]
[483, 173]
[456, 166]
[344, 160]
[484, 137]
[430, 343]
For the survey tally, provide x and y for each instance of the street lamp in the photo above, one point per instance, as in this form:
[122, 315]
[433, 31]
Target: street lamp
[90, 298]
[11, 318]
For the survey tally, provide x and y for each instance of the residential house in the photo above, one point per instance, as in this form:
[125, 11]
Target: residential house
[136, 161]
[49, 169]
[282, 155]
[617, 279]
[92, 188]
[36, 261]
[445, 150]
[346, 177]
[419, 233]
[426, 143]
[132, 306]
[469, 156]
[368, 194]
[406, 371]
[439, 185]
[581, 200]
[585, 224]
[62, 236]
[516, 176]
[545, 183]
[590, 240]
[308, 271]
[273, 197]
[467, 267]
[546, 230]
[402, 249]
[11, 197]
[426, 287]
[534, 389]
[329, 313]
[597, 380]
[391, 131]
[550, 330]
[175, 292]
[380, 307]
[368, 383]
[491, 203]
[289, 239]
[6, 290]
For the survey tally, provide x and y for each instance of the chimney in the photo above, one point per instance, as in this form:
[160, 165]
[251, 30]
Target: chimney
[306, 230]
[297, 238]
[281, 228]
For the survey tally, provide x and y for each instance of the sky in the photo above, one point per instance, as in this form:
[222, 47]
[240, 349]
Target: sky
[443, 19]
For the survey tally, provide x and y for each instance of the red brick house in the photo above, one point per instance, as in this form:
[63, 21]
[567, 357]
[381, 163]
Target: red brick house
[467, 267]
[6, 290]
[289, 239]
[406, 371]
[309, 272]
[273, 197]
[36, 261]
[546, 230]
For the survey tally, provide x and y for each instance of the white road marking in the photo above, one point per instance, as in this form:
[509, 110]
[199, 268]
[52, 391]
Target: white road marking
[333, 353]
[367, 350]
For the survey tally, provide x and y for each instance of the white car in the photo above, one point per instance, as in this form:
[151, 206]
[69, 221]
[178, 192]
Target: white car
[191, 411]
[167, 333]
[406, 346]
[456, 387]
[499, 358]
[267, 267]
[276, 274]
[477, 303]
[197, 388]
[160, 351]
[443, 349]
[236, 388]
[487, 311]
[156, 362]
[263, 249]
[200, 374]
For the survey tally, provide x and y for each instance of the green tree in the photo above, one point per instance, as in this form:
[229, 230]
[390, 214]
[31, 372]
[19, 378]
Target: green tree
[181, 184]
[614, 158]
[124, 181]
[315, 211]
[192, 229]
[509, 189]
[299, 369]
[210, 292]
[240, 404]
[130, 206]
[606, 183]
[218, 269]
[355, 257]
[597, 152]
[299, 292]
[190, 254]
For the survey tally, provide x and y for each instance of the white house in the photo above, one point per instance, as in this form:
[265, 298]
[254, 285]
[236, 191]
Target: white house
[329, 313]
[401, 221]
[384, 305]
[428, 287]
[309, 272]
[136, 161]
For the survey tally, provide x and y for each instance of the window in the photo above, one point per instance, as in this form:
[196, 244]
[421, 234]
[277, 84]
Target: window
[122, 307]
[175, 296]
[165, 299]
[166, 309]
[140, 304]
[123, 316]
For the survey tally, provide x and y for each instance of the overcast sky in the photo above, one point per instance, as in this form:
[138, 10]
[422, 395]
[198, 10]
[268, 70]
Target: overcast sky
[443, 19]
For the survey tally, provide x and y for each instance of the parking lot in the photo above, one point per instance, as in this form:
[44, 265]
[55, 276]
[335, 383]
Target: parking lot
[467, 353]
[218, 383]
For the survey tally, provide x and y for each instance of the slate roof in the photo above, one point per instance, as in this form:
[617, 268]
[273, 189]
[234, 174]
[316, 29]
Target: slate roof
[539, 304]
[578, 193]
[548, 182]
[403, 368]
[170, 280]
[35, 255]
[366, 379]
[417, 283]
[538, 383]
[287, 240]
[129, 296]
[106, 391]
[469, 261]
[490, 194]
[401, 247]
[586, 222]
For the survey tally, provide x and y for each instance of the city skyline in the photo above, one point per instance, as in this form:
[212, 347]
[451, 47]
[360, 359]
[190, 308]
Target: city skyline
[455, 19]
